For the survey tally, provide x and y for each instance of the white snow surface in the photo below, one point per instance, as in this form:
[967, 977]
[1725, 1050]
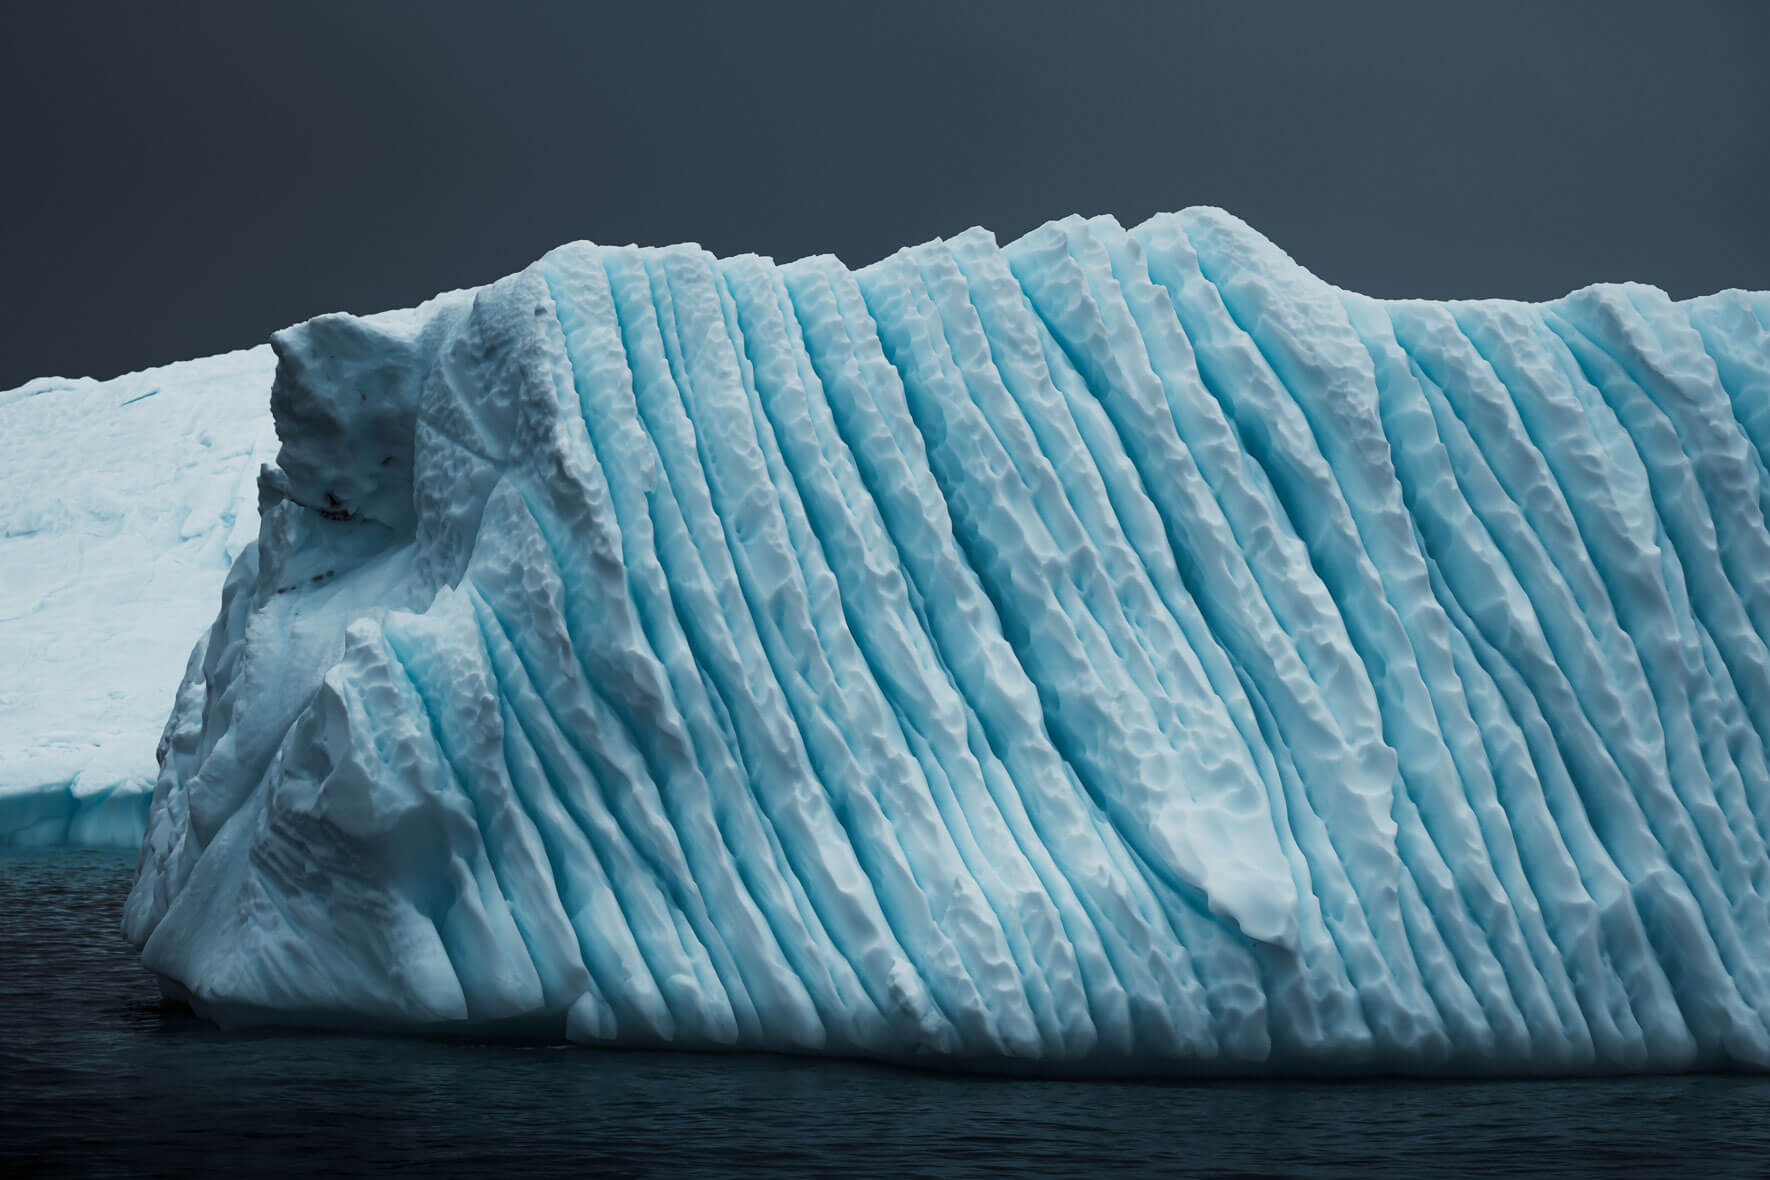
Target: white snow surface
[1118, 650]
[122, 505]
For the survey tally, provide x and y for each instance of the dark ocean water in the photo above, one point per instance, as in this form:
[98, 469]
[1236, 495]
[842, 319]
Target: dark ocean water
[97, 1076]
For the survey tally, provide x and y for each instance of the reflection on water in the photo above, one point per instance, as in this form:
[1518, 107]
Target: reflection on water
[97, 1076]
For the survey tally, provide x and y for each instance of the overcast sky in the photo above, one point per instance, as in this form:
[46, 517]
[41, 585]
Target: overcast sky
[180, 179]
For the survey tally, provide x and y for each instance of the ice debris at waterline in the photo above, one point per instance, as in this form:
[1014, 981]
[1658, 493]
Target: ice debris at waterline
[1118, 650]
[122, 505]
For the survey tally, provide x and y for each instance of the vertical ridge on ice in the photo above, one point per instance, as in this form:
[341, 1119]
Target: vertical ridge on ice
[1117, 650]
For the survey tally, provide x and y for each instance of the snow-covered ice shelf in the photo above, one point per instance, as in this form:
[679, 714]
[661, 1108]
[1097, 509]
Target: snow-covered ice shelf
[122, 505]
[1117, 650]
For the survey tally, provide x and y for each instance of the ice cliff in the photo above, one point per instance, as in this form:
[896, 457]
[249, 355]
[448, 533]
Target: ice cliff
[1118, 650]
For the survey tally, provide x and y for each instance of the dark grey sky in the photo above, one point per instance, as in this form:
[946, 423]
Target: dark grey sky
[184, 178]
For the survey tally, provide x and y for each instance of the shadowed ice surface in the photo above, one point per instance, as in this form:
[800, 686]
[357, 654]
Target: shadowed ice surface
[98, 1077]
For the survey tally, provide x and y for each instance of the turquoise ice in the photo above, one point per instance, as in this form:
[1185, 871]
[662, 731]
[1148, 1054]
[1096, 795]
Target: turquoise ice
[1118, 650]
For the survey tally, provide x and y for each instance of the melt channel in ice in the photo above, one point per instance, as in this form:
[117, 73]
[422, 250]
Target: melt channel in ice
[1118, 650]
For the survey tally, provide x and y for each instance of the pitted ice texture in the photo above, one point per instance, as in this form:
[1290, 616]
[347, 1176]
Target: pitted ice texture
[1118, 650]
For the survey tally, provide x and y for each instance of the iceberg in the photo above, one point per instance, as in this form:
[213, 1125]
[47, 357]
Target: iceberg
[122, 505]
[1116, 651]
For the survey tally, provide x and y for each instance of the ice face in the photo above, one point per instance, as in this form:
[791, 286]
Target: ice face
[1117, 650]
[122, 505]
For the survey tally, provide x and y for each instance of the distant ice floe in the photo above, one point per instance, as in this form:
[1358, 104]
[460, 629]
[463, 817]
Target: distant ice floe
[122, 505]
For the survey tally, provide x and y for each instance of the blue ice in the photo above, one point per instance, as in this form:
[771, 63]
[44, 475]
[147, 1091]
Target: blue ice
[1115, 651]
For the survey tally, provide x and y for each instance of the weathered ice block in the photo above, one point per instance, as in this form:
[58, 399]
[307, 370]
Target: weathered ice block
[1115, 651]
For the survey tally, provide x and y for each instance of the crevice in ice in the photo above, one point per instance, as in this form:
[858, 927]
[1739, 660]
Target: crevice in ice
[944, 549]
[939, 772]
[774, 755]
[921, 845]
[726, 770]
[1626, 938]
[1172, 517]
[1289, 445]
